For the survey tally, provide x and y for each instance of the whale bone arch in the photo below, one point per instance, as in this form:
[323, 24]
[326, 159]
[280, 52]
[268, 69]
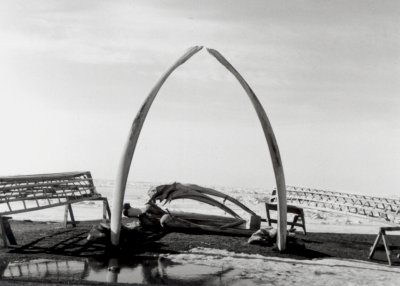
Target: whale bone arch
[129, 148]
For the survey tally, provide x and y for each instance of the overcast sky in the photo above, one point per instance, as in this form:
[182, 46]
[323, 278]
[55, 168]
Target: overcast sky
[73, 74]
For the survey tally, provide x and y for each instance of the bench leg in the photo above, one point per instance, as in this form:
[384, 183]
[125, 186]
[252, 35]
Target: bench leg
[303, 222]
[106, 210]
[373, 248]
[6, 232]
[68, 209]
[3, 233]
[268, 214]
[386, 248]
[295, 219]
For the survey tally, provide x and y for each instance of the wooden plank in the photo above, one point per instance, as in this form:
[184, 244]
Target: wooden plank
[387, 249]
[41, 177]
[340, 194]
[272, 220]
[71, 194]
[71, 214]
[373, 249]
[338, 205]
[49, 206]
[176, 223]
[106, 210]
[66, 210]
[59, 185]
[3, 233]
[6, 232]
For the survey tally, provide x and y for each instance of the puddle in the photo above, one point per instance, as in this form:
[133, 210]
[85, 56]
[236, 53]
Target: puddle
[146, 270]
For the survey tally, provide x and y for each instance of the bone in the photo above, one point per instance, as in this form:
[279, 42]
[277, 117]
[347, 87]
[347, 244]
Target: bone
[130, 145]
[272, 145]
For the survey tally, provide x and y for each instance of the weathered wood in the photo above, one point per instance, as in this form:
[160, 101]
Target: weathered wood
[66, 210]
[273, 149]
[382, 234]
[71, 214]
[176, 223]
[29, 185]
[377, 208]
[203, 217]
[67, 194]
[51, 190]
[106, 210]
[197, 218]
[129, 149]
[297, 211]
[6, 232]
[387, 249]
[40, 177]
[48, 206]
[373, 249]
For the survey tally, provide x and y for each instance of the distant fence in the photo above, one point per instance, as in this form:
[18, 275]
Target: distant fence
[353, 204]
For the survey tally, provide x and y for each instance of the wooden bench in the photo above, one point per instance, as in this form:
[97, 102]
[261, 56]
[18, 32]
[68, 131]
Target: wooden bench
[382, 235]
[19, 194]
[297, 211]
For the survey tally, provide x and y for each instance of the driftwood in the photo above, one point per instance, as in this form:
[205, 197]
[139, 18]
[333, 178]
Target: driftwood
[134, 133]
[171, 222]
[153, 214]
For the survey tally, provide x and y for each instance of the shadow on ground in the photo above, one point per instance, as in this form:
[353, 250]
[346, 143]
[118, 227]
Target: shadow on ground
[72, 241]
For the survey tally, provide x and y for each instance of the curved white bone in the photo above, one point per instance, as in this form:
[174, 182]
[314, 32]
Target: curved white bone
[197, 197]
[125, 163]
[123, 171]
[164, 191]
[273, 149]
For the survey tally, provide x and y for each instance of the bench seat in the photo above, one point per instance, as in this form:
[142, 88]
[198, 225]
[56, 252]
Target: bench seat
[19, 194]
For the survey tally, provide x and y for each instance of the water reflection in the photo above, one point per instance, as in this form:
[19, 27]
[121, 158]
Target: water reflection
[43, 268]
[146, 270]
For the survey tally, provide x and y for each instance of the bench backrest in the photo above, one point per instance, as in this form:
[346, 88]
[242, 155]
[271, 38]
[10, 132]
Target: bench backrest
[34, 192]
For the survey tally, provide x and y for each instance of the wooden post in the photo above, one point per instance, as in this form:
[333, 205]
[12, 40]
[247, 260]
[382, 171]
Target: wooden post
[66, 215]
[387, 249]
[6, 232]
[68, 209]
[106, 210]
[71, 214]
[129, 149]
[373, 248]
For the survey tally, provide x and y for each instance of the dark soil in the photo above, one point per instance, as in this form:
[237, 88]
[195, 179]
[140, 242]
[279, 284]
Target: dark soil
[49, 240]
